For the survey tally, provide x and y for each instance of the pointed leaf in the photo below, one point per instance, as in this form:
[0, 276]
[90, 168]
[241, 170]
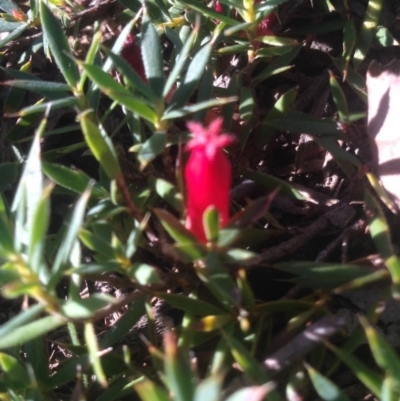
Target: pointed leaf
[384, 354]
[93, 347]
[100, 145]
[209, 389]
[366, 375]
[192, 77]
[190, 305]
[149, 391]
[174, 227]
[27, 332]
[117, 92]
[367, 33]
[178, 374]
[59, 46]
[131, 76]
[74, 180]
[9, 6]
[152, 57]
[70, 237]
[325, 388]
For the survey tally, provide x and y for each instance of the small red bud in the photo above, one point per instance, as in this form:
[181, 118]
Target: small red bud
[265, 26]
[132, 54]
[218, 7]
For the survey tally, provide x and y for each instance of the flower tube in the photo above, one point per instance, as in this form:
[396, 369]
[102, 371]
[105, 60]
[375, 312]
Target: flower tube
[207, 175]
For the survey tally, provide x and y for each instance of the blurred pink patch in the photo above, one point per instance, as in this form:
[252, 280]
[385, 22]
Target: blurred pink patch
[218, 7]
[207, 175]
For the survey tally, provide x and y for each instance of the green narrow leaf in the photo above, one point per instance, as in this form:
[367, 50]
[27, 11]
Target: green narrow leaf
[272, 183]
[300, 123]
[135, 311]
[7, 26]
[151, 148]
[152, 57]
[149, 391]
[325, 388]
[117, 92]
[97, 244]
[41, 107]
[167, 191]
[9, 6]
[181, 61]
[385, 38]
[195, 107]
[218, 280]
[92, 57]
[29, 190]
[204, 94]
[38, 231]
[174, 227]
[119, 43]
[354, 79]
[6, 235]
[14, 370]
[192, 78]
[246, 110]
[100, 145]
[14, 34]
[144, 274]
[131, 76]
[280, 109]
[70, 237]
[211, 223]
[30, 331]
[209, 389]
[59, 46]
[381, 192]
[38, 85]
[24, 317]
[323, 275]
[368, 29]
[133, 5]
[178, 373]
[190, 305]
[384, 354]
[349, 41]
[209, 12]
[93, 348]
[281, 64]
[380, 234]
[247, 362]
[390, 390]
[366, 375]
[85, 308]
[347, 162]
[36, 357]
[73, 180]
[253, 393]
[339, 98]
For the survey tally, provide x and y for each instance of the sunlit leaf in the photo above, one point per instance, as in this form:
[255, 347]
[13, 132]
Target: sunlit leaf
[59, 46]
[326, 389]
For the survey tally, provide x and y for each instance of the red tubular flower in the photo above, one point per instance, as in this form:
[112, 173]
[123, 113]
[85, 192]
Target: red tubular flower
[207, 175]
